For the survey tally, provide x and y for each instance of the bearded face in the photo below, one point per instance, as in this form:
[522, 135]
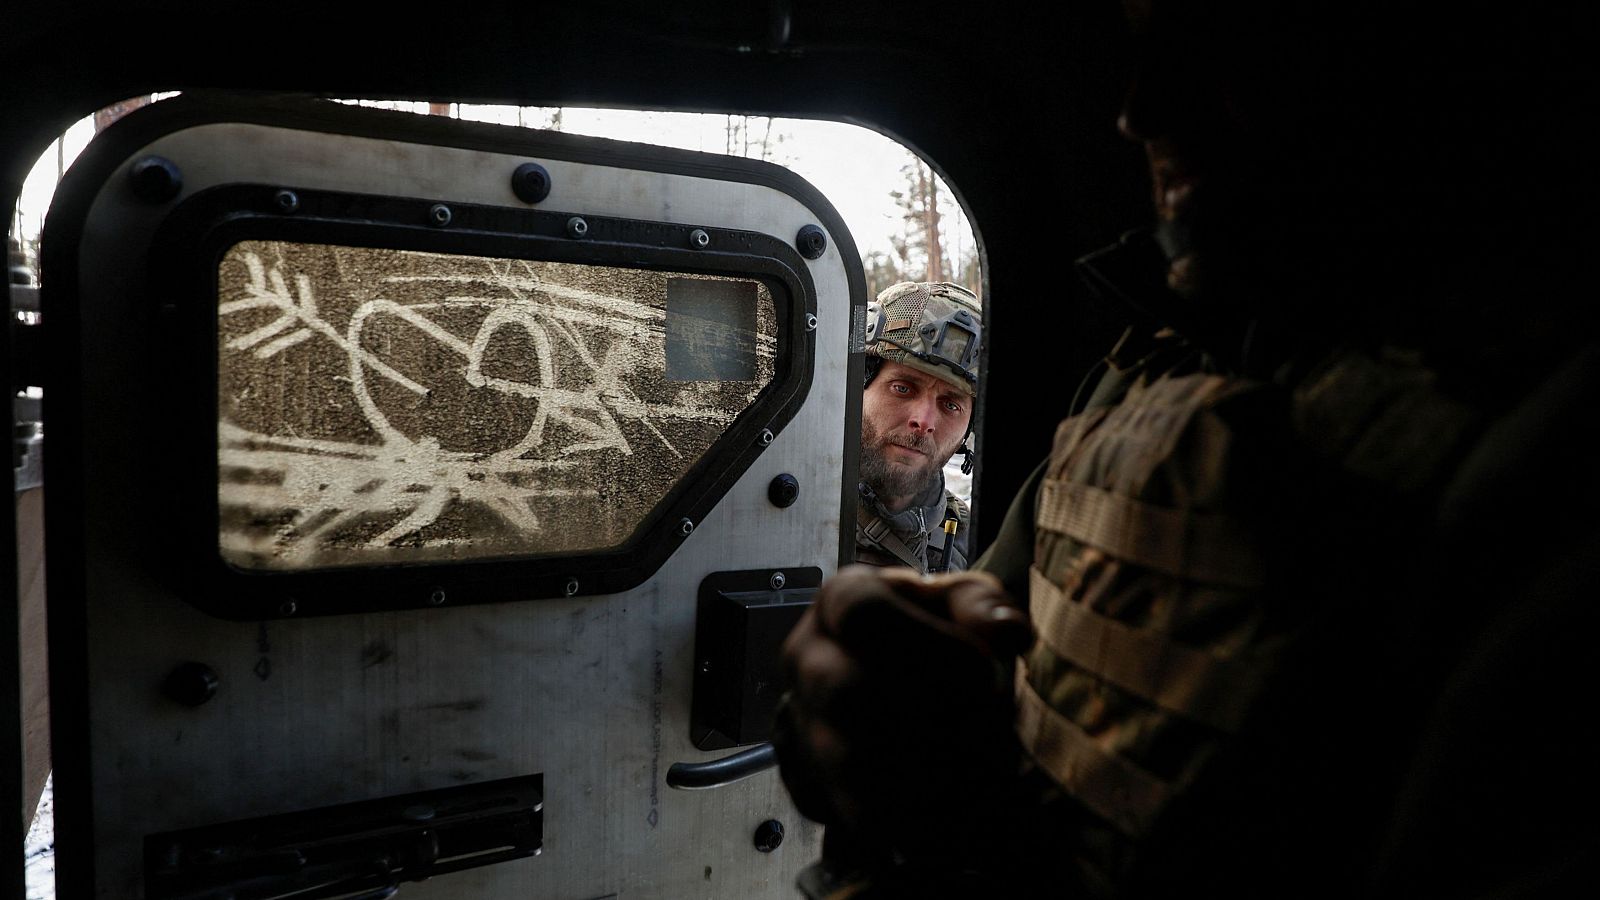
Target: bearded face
[898, 476]
[911, 423]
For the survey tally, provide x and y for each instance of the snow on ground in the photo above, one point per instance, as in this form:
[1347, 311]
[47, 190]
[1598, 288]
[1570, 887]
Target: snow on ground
[955, 481]
[39, 849]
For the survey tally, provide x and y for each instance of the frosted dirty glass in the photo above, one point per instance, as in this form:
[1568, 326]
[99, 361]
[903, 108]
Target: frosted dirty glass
[390, 406]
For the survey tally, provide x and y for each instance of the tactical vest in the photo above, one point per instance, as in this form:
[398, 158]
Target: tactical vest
[1189, 539]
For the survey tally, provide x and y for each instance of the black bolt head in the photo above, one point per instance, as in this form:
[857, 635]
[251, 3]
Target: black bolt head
[811, 242]
[155, 179]
[530, 182]
[769, 835]
[783, 491]
[191, 684]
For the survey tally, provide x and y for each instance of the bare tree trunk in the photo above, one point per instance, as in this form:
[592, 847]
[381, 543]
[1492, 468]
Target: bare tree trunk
[929, 188]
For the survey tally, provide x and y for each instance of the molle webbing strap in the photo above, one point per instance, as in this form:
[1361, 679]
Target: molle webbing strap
[878, 532]
[1207, 548]
[897, 324]
[1210, 689]
[1112, 787]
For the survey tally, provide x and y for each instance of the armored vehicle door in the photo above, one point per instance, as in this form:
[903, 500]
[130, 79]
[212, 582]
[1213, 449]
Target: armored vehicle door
[420, 492]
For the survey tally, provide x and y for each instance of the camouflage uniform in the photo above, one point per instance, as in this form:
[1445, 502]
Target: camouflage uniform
[1205, 563]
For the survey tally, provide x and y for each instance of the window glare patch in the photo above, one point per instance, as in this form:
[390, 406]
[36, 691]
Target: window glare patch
[711, 329]
[386, 406]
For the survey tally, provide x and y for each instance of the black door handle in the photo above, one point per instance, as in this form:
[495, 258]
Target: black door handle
[718, 772]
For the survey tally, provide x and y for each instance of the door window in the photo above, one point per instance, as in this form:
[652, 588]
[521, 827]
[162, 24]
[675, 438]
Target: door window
[381, 406]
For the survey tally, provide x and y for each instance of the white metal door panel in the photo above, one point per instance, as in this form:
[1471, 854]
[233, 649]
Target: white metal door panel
[590, 691]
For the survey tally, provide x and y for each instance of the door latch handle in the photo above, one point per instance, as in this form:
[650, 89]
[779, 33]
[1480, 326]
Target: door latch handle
[719, 772]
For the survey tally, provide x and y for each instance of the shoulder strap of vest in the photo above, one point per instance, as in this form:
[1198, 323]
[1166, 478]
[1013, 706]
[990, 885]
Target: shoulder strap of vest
[876, 530]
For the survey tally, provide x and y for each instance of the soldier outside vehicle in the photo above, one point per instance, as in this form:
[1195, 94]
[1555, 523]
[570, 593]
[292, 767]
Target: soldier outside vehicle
[922, 348]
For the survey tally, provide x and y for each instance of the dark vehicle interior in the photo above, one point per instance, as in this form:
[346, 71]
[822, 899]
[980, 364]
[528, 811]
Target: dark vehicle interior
[1016, 106]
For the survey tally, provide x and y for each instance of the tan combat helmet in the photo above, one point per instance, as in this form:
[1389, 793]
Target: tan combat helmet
[936, 327]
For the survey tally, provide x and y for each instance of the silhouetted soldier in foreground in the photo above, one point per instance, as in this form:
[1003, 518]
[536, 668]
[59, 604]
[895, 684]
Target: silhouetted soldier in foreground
[1311, 574]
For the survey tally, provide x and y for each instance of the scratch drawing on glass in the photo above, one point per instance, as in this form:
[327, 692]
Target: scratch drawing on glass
[382, 406]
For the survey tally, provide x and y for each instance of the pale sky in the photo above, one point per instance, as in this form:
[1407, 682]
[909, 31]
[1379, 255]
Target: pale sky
[854, 167]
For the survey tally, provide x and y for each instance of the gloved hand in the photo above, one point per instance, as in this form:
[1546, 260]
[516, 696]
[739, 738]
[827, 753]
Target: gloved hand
[898, 727]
